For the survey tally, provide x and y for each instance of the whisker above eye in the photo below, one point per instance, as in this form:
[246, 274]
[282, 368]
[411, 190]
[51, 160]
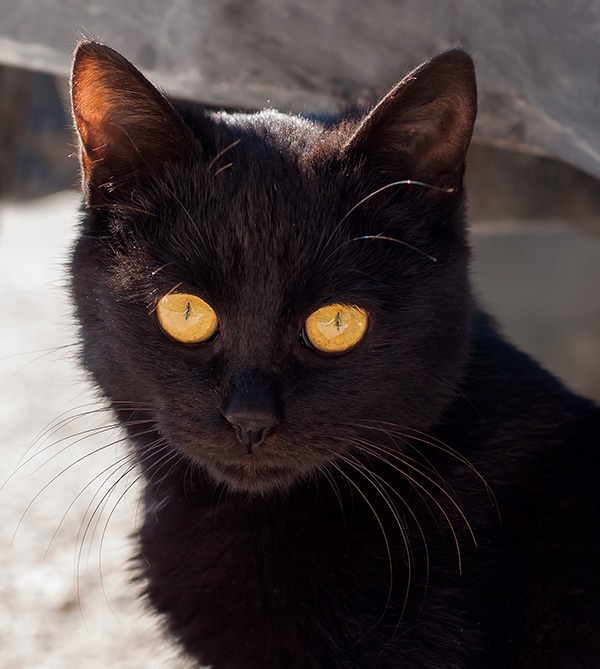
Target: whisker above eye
[153, 307]
[392, 184]
[221, 153]
[392, 239]
[403, 182]
[160, 269]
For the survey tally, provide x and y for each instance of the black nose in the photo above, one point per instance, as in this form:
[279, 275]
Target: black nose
[253, 409]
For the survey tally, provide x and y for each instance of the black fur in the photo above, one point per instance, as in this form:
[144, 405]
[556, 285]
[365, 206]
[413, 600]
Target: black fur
[427, 500]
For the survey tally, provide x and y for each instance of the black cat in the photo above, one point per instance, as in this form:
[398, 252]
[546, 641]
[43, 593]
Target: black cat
[345, 465]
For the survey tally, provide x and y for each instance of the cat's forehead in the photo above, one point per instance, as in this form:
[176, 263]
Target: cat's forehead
[271, 130]
[257, 230]
[261, 216]
[263, 196]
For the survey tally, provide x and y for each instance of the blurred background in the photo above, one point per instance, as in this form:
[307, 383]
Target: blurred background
[533, 170]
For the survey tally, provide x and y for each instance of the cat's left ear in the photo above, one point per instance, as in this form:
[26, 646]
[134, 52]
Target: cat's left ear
[123, 121]
[422, 128]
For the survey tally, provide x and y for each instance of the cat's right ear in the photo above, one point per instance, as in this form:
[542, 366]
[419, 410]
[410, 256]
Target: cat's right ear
[123, 121]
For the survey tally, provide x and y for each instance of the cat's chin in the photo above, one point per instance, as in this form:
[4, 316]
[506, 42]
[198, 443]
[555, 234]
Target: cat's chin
[250, 476]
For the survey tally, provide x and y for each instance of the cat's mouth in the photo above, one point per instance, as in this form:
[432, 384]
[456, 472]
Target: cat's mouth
[252, 474]
[274, 465]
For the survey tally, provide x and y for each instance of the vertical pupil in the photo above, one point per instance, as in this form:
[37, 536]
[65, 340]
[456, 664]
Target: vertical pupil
[188, 310]
[338, 320]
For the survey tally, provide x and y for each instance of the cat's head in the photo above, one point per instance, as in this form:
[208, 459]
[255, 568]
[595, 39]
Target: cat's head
[271, 291]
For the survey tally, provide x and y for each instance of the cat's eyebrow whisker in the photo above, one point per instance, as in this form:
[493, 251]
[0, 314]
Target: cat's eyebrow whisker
[180, 203]
[160, 269]
[221, 153]
[403, 182]
[152, 309]
[137, 210]
[392, 239]
[392, 184]
[223, 168]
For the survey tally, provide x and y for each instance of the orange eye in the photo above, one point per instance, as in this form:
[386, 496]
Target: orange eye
[336, 328]
[186, 318]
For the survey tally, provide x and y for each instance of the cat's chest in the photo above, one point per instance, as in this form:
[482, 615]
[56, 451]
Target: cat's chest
[242, 583]
[295, 576]
[266, 553]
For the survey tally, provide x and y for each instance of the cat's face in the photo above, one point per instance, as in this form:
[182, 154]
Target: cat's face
[234, 287]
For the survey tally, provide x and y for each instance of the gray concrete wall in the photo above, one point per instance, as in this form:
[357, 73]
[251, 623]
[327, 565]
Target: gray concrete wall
[538, 61]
